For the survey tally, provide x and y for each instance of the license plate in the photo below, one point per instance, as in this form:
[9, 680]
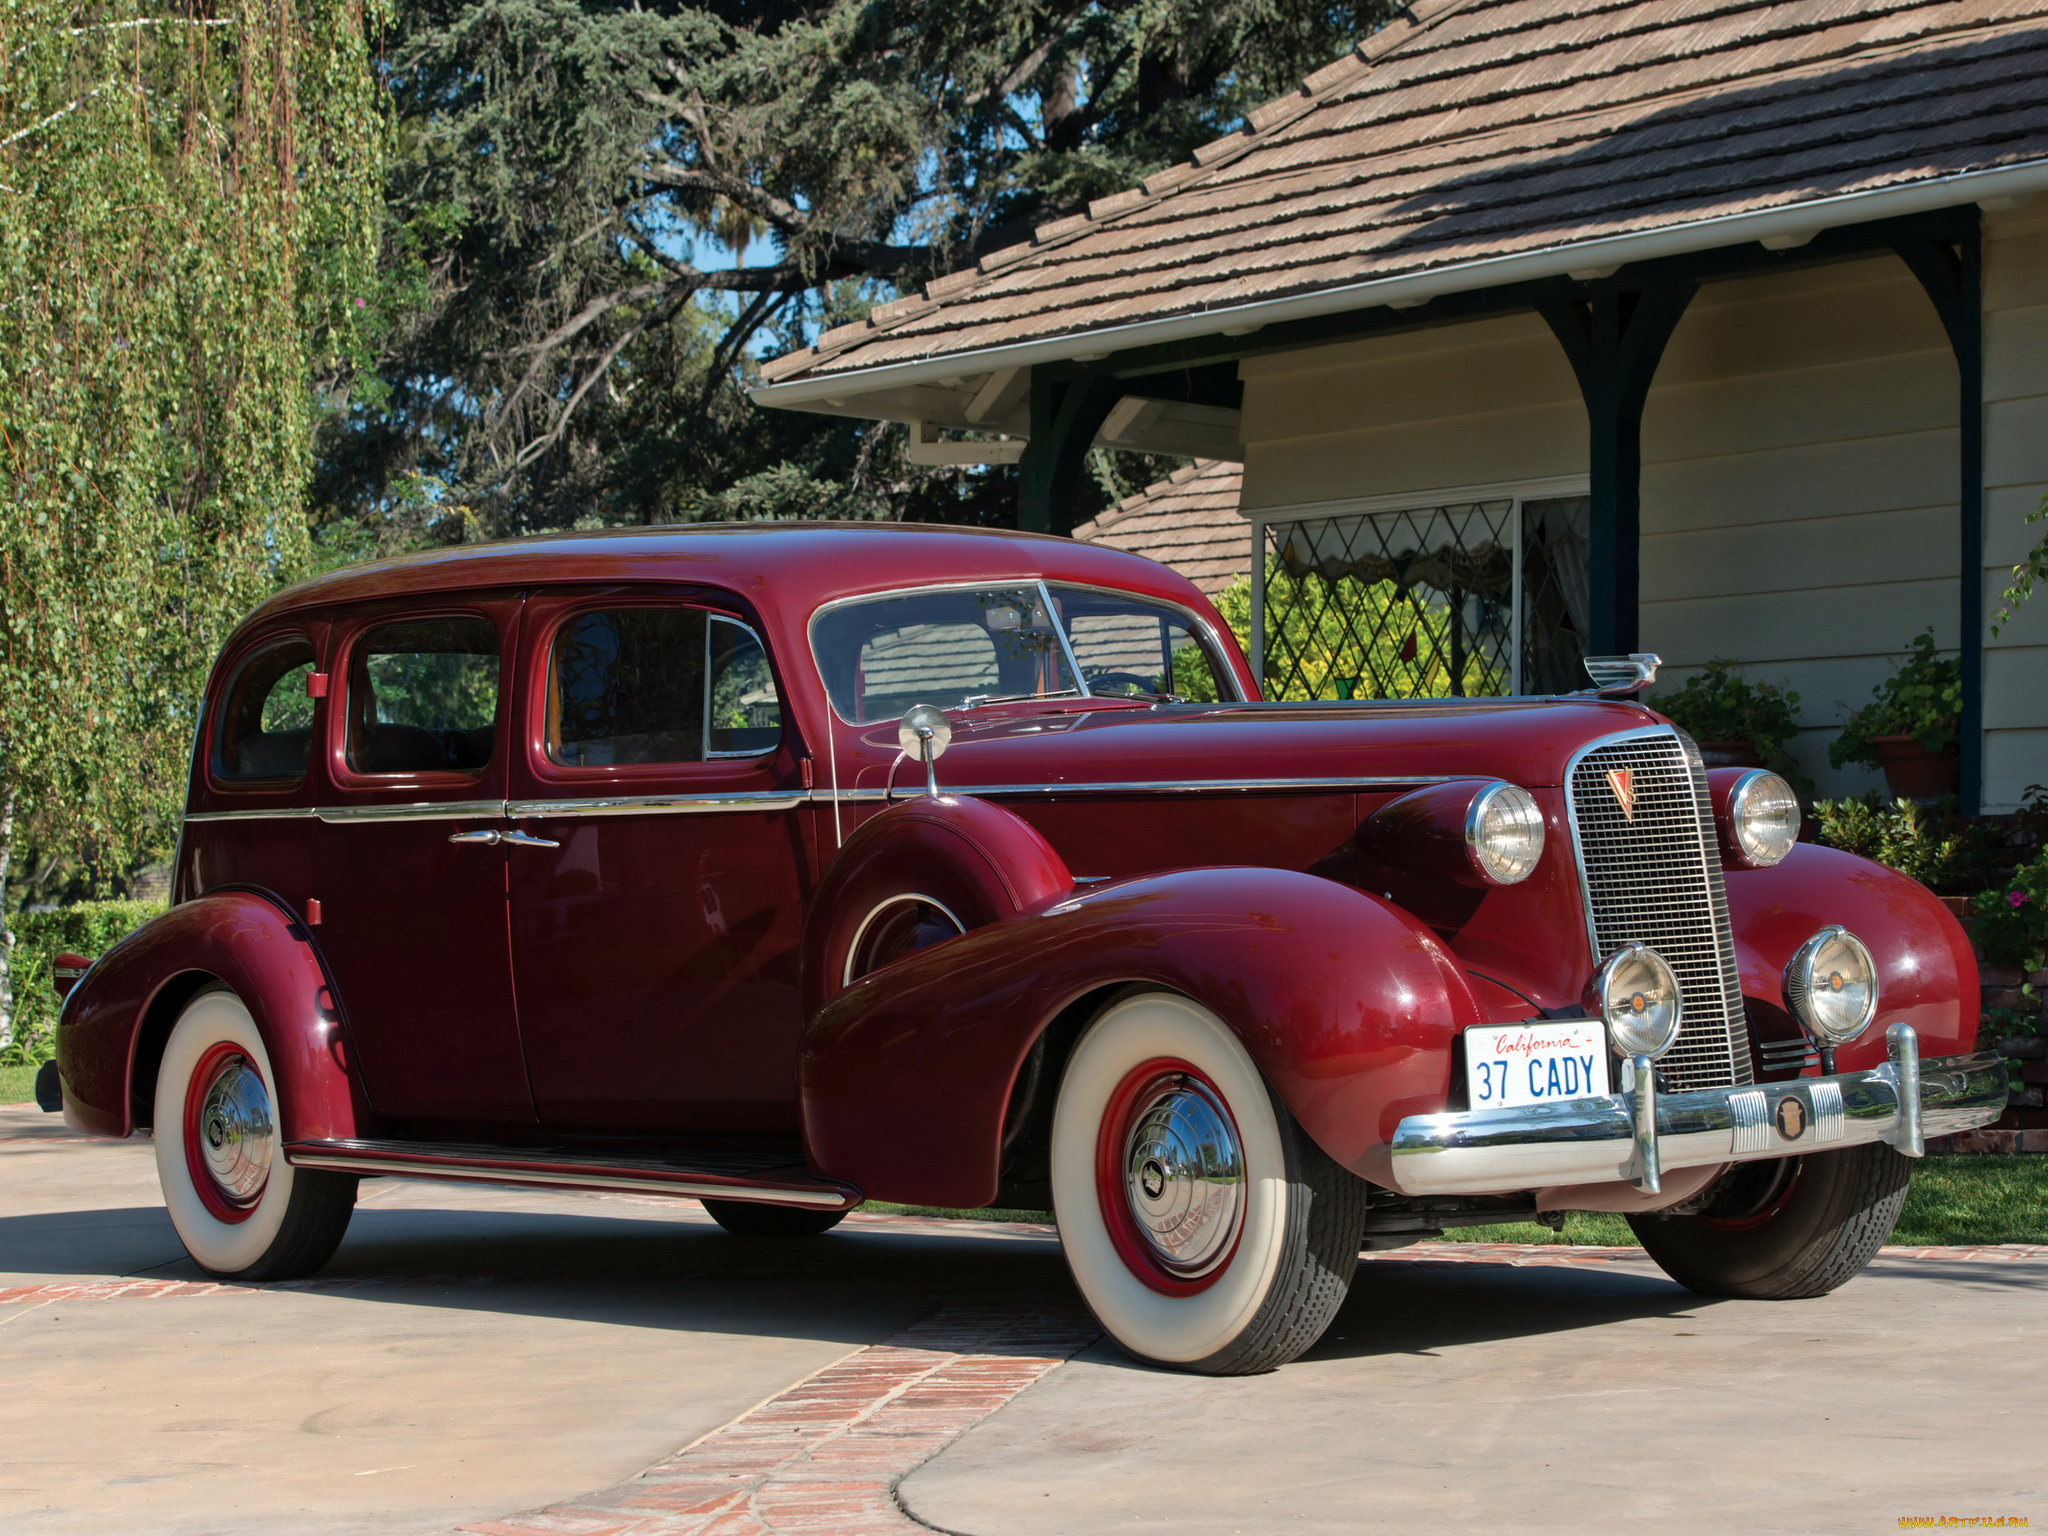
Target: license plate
[1512, 1064]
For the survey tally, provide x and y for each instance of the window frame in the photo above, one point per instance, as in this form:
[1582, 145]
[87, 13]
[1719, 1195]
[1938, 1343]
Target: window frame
[341, 687]
[540, 652]
[222, 782]
[1204, 631]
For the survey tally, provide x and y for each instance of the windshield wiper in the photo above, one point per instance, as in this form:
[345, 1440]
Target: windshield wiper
[976, 700]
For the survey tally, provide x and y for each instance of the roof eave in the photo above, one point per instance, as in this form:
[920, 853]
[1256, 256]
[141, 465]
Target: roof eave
[841, 392]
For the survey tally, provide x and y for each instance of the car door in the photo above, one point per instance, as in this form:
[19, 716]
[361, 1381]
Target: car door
[655, 923]
[412, 866]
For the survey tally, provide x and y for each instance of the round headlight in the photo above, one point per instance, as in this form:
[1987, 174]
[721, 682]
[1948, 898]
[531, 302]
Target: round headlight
[1504, 833]
[1831, 985]
[1763, 815]
[1637, 994]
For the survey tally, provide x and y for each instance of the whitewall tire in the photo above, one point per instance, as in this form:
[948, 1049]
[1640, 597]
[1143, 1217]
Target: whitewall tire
[239, 1208]
[1205, 1230]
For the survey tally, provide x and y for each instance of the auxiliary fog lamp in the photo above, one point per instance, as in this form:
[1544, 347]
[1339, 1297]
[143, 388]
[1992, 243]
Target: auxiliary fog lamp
[1637, 994]
[1831, 986]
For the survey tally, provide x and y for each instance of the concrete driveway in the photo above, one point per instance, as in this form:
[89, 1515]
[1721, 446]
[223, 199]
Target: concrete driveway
[473, 1353]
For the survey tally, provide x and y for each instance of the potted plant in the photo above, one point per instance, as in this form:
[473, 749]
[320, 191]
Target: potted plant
[1737, 723]
[1908, 729]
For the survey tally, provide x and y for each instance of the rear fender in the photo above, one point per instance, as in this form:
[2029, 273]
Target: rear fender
[1347, 1005]
[117, 1018]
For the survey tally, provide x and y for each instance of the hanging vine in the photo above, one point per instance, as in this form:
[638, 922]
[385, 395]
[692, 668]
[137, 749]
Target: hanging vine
[188, 205]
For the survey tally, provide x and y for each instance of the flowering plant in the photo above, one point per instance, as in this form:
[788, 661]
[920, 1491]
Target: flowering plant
[2012, 924]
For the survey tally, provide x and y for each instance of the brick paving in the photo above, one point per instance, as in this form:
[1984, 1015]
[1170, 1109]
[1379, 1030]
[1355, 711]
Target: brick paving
[823, 1457]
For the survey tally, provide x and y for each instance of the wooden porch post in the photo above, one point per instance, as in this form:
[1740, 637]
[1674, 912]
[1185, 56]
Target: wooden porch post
[1614, 337]
[1065, 416]
[1952, 273]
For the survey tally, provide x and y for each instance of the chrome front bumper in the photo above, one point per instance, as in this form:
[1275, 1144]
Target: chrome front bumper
[1599, 1140]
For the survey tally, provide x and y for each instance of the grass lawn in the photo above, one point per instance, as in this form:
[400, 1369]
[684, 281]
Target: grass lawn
[17, 1085]
[1960, 1200]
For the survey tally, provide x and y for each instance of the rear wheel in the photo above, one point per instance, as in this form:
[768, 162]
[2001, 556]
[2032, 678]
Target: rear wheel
[743, 1218]
[240, 1209]
[1785, 1229]
[1204, 1228]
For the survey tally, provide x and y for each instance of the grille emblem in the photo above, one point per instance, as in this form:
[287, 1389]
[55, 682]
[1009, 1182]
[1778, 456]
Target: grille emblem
[1791, 1118]
[1623, 782]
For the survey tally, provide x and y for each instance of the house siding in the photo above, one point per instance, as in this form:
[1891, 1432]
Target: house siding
[1800, 472]
[2015, 478]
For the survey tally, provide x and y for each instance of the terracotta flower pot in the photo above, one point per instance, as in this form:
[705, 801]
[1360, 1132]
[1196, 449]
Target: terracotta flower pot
[1913, 771]
[1730, 754]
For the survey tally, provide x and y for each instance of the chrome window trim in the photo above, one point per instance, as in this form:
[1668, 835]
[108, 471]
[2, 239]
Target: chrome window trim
[781, 729]
[1043, 583]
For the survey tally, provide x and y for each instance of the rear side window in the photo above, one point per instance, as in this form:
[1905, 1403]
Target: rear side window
[423, 697]
[265, 726]
[630, 686]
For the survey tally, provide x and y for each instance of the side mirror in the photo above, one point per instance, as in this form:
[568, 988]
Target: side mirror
[924, 733]
[65, 971]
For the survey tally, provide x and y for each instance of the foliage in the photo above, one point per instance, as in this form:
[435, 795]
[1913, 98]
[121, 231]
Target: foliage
[188, 207]
[601, 214]
[2011, 920]
[1344, 639]
[2033, 567]
[1941, 854]
[1719, 704]
[87, 928]
[1923, 698]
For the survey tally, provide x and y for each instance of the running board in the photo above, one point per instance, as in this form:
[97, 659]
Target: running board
[771, 1178]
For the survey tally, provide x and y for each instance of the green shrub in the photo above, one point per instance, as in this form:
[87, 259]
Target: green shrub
[1924, 699]
[2011, 921]
[1903, 836]
[1722, 705]
[88, 928]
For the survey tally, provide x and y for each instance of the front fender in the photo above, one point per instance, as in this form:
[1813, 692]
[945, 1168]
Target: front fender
[116, 1019]
[1347, 1004]
[1926, 968]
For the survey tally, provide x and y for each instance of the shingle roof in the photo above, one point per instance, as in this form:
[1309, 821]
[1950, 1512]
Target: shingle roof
[1484, 128]
[1188, 521]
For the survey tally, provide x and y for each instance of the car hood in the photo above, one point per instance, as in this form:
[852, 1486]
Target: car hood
[1525, 741]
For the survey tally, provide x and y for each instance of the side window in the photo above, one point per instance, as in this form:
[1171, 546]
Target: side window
[423, 697]
[658, 685]
[265, 726]
[1127, 646]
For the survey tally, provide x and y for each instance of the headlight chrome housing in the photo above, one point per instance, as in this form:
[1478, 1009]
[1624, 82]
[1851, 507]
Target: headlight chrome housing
[1504, 833]
[1831, 985]
[1763, 818]
[1636, 992]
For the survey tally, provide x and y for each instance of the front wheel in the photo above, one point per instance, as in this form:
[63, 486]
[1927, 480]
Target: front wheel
[1204, 1228]
[1785, 1229]
[240, 1209]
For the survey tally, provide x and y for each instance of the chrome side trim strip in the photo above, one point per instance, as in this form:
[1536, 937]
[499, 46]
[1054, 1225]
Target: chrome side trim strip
[252, 815]
[1593, 1140]
[418, 810]
[661, 805]
[464, 1173]
[1161, 787]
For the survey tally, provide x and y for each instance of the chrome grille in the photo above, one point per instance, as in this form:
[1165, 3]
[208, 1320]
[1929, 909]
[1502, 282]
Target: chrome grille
[1654, 877]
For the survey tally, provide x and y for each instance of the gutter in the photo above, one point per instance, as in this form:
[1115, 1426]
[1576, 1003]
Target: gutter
[1787, 226]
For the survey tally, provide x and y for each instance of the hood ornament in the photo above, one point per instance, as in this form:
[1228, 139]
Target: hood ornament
[1616, 677]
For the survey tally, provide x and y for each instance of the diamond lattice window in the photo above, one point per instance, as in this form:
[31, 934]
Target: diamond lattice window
[1456, 601]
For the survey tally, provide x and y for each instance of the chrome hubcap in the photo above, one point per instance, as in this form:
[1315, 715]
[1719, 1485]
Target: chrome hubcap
[235, 1135]
[1184, 1176]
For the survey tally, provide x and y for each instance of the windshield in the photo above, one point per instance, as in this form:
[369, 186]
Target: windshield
[959, 648]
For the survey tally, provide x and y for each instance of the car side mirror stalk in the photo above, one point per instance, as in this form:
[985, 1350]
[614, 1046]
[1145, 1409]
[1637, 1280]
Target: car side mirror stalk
[924, 733]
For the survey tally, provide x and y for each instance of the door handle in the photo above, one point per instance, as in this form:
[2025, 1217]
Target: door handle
[487, 838]
[528, 840]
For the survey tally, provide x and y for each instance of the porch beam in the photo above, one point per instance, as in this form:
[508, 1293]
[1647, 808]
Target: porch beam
[1614, 337]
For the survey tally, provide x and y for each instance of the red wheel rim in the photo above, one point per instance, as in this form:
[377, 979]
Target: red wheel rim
[228, 1132]
[1169, 1177]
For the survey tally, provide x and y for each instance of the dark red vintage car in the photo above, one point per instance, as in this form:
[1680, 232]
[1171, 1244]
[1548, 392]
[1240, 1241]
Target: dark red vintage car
[629, 860]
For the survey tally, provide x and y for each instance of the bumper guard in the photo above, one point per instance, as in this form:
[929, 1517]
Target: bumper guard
[1638, 1136]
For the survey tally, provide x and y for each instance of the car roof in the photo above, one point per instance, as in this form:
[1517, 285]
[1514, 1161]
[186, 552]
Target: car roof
[797, 565]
